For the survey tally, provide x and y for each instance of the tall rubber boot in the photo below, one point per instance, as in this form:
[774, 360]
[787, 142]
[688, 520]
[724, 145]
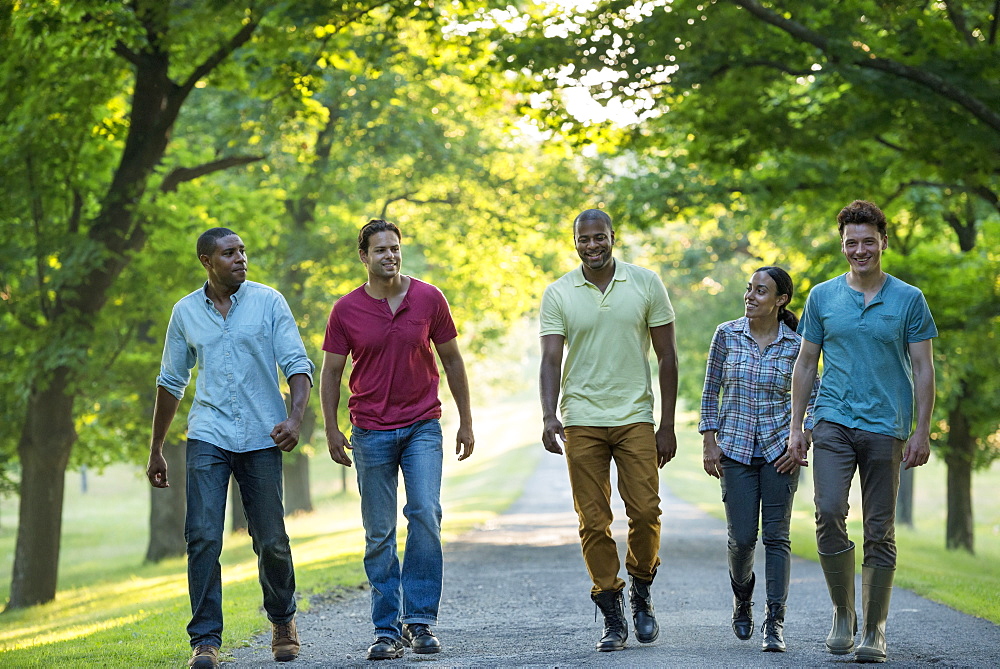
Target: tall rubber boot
[876, 591]
[838, 568]
[743, 607]
[612, 605]
[643, 615]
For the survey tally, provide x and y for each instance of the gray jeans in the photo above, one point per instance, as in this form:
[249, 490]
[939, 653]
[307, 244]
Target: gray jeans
[839, 451]
[758, 492]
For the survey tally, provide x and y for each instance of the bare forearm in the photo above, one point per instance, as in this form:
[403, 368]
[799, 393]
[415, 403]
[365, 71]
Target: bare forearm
[548, 388]
[299, 387]
[668, 390]
[458, 384]
[164, 411]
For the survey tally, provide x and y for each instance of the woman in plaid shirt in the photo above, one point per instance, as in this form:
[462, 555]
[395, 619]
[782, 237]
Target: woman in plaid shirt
[745, 435]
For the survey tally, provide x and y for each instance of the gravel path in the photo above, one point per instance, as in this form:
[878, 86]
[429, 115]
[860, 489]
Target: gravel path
[517, 594]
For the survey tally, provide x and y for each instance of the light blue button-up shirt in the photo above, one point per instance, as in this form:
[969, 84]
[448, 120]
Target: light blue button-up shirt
[237, 399]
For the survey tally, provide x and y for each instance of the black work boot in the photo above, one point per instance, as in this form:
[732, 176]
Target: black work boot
[743, 607]
[612, 605]
[643, 615]
[773, 629]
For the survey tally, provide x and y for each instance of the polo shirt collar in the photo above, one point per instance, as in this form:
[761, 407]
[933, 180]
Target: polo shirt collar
[580, 280]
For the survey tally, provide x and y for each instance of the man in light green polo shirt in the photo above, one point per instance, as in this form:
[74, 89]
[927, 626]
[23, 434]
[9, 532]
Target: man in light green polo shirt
[605, 314]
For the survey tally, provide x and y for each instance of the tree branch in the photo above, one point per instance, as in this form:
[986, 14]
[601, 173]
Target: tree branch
[407, 198]
[855, 57]
[957, 19]
[996, 20]
[774, 65]
[220, 54]
[122, 50]
[884, 142]
[181, 174]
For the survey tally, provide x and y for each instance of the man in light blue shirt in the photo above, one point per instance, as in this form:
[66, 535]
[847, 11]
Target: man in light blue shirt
[238, 333]
[874, 332]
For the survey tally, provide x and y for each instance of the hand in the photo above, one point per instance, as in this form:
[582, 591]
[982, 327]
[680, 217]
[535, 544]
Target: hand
[918, 449]
[338, 445]
[285, 435]
[785, 463]
[464, 442]
[551, 429]
[666, 445]
[798, 447]
[156, 470]
[711, 457]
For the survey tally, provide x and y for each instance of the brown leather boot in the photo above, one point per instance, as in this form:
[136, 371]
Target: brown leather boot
[284, 641]
[204, 657]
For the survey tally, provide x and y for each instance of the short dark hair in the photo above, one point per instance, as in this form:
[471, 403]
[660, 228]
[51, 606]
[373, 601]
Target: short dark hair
[210, 238]
[783, 284]
[593, 215]
[861, 212]
[375, 226]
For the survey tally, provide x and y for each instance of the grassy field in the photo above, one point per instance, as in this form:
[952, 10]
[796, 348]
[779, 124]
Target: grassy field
[970, 583]
[113, 610]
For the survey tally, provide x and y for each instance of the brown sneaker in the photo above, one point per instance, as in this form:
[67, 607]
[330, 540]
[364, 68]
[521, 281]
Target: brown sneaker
[204, 657]
[284, 641]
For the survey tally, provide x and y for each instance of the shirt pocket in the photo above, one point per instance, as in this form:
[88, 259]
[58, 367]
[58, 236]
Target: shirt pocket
[887, 328]
[418, 331]
[251, 338]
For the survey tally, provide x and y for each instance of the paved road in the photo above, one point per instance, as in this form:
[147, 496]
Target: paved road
[517, 594]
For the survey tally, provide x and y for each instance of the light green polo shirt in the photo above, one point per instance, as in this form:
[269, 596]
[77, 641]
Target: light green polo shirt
[605, 376]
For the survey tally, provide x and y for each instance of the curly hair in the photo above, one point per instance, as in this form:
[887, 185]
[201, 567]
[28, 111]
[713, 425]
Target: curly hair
[861, 212]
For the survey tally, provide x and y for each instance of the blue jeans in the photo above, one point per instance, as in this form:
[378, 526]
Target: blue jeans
[752, 492]
[411, 594]
[258, 474]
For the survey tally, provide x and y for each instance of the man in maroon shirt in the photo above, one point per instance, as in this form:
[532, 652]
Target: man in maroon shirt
[387, 326]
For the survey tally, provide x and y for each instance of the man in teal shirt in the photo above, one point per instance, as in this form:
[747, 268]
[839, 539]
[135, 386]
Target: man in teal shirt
[605, 314]
[875, 334]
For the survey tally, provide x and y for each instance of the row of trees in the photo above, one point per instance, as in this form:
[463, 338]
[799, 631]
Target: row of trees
[127, 128]
[759, 120]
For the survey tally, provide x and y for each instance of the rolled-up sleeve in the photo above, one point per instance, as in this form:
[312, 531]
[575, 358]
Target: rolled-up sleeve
[178, 358]
[289, 351]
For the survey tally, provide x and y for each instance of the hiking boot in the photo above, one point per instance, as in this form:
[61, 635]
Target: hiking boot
[643, 615]
[284, 641]
[743, 608]
[420, 639]
[385, 648]
[612, 605]
[204, 657]
[773, 629]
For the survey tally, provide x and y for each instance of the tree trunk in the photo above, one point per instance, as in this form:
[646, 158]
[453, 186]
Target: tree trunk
[295, 468]
[904, 498]
[167, 507]
[237, 514]
[960, 531]
[46, 441]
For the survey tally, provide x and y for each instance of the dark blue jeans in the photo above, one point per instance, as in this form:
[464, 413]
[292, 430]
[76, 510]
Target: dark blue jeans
[259, 476]
[411, 594]
[758, 492]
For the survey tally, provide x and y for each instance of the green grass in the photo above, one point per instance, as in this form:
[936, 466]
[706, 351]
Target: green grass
[969, 583]
[113, 610]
